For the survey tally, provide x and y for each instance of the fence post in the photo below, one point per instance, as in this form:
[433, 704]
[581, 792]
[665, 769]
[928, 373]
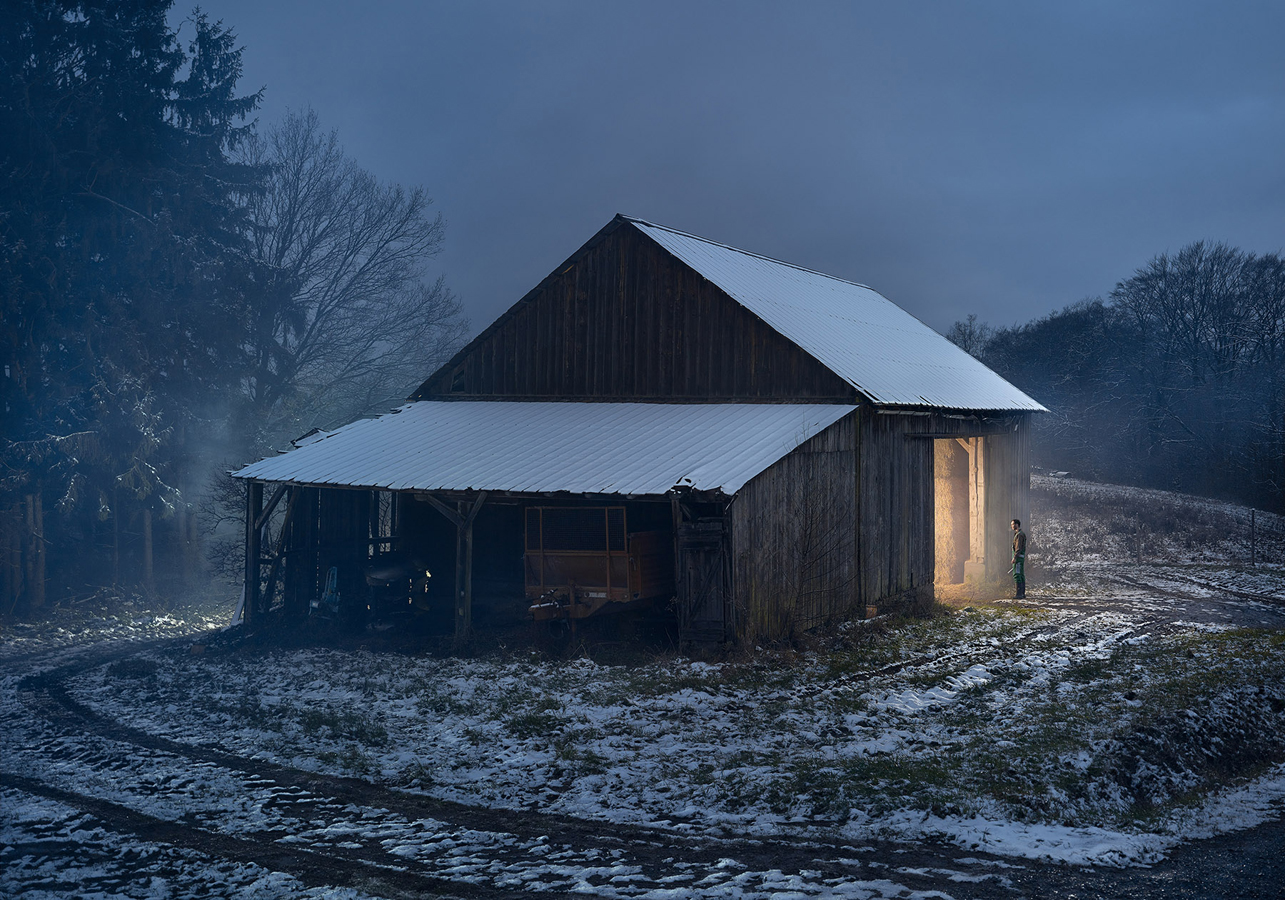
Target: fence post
[1253, 538]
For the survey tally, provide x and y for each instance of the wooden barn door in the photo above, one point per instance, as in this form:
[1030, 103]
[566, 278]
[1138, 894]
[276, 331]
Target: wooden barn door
[703, 595]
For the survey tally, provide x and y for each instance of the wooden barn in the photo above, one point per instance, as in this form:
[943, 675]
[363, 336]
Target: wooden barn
[750, 447]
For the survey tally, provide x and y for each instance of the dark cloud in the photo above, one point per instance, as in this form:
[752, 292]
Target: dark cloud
[1003, 159]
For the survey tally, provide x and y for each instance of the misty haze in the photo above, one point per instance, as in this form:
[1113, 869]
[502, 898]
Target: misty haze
[676, 451]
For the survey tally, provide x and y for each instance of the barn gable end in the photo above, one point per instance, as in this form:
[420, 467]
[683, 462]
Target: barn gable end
[623, 319]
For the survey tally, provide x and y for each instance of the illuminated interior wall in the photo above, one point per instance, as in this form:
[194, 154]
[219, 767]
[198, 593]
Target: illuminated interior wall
[951, 510]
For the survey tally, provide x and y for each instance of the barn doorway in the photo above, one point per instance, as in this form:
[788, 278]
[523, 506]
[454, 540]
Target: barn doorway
[959, 508]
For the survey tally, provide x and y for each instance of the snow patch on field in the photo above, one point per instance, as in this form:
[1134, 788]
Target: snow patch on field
[1036, 736]
[1133, 706]
[51, 851]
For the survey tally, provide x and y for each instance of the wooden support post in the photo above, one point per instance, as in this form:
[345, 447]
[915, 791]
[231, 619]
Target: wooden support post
[1253, 538]
[253, 505]
[278, 551]
[463, 575]
[262, 518]
[676, 516]
[36, 556]
[976, 567]
[463, 519]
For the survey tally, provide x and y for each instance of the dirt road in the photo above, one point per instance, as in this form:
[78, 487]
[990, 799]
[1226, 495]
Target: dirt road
[95, 806]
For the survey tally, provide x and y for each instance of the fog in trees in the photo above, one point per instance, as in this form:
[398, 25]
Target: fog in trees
[1172, 381]
[345, 319]
[180, 289]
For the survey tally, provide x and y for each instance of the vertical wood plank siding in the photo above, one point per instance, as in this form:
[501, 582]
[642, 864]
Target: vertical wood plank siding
[847, 520]
[896, 538]
[794, 539]
[625, 320]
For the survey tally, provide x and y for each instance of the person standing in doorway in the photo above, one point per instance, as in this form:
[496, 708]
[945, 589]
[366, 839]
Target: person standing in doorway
[1019, 560]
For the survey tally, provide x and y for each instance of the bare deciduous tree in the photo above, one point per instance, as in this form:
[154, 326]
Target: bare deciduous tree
[344, 320]
[970, 335]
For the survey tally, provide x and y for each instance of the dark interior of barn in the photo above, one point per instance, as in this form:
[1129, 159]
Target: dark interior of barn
[357, 560]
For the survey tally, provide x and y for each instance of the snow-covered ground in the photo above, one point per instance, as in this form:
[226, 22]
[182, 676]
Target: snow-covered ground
[107, 617]
[1130, 704]
[1081, 737]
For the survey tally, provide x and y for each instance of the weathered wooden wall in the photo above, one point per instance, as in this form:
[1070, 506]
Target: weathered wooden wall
[794, 538]
[896, 539]
[622, 320]
[847, 521]
[896, 530]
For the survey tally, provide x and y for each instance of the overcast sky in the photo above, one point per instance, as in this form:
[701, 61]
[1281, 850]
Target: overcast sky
[998, 159]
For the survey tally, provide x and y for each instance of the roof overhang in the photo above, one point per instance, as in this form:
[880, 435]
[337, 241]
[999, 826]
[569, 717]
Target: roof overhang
[630, 449]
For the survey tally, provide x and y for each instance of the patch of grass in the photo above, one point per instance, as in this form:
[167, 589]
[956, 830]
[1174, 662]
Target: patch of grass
[355, 761]
[343, 724]
[1090, 670]
[418, 775]
[574, 757]
[541, 719]
[475, 736]
[133, 668]
[440, 704]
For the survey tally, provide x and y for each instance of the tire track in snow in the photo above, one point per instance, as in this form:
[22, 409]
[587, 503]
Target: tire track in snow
[1211, 586]
[305, 808]
[45, 695]
[339, 867]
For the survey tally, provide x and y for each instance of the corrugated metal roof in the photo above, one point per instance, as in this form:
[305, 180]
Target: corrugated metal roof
[591, 448]
[864, 338]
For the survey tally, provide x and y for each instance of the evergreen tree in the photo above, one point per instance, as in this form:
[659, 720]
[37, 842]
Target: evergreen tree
[120, 214]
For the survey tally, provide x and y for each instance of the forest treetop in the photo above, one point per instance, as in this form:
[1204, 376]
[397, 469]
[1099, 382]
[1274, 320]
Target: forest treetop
[1175, 380]
[181, 288]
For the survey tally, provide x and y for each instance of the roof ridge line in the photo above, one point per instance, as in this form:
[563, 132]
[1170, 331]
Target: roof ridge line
[772, 259]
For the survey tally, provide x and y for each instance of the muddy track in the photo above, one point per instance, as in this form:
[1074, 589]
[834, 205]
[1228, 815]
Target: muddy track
[303, 806]
[1238, 593]
[956, 660]
[335, 868]
[302, 795]
[45, 695]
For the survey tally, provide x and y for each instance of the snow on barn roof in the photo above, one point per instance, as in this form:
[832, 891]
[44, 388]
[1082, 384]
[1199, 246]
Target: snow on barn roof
[864, 338]
[526, 447]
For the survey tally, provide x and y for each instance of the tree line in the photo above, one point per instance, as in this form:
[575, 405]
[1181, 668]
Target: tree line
[1175, 380]
[181, 290]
